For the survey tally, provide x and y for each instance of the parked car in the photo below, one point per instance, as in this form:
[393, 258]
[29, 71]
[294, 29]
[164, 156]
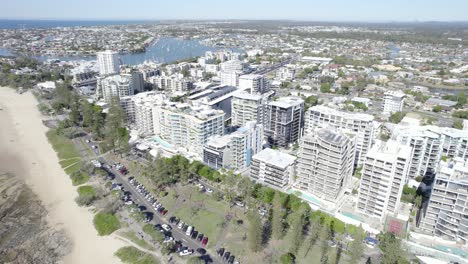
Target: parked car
[227, 255]
[159, 227]
[194, 234]
[201, 251]
[200, 237]
[186, 252]
[205, 241]
[189, 231]
[180, 225]
[231, 259]
[168, 239]
[166, 227]
[220, 251]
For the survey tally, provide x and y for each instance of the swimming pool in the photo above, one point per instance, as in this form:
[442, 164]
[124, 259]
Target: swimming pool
[352, 216]
[161, 142]
[452, 250]
[305, 196]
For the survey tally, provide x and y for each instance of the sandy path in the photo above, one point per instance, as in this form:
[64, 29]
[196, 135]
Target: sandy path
[25, 151]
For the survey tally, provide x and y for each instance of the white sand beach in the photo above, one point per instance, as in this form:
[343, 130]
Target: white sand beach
[26, 152]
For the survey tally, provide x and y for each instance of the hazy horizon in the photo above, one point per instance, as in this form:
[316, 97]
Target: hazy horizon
[294, 10]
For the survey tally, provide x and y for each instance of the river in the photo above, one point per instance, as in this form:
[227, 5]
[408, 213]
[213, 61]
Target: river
[165, 50]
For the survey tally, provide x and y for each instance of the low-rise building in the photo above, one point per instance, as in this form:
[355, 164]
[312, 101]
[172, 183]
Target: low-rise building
[235, 150]
[272, 167]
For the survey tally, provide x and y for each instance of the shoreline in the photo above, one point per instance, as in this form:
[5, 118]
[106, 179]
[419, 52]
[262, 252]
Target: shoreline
[23, 139]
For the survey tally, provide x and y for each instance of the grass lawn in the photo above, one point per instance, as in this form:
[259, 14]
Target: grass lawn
[208, 223]
[69, 162]
[106, 224]
[73, 168]
[63, 146]
[86, 191]
[132, 255]
[79, 178]
[130, 235]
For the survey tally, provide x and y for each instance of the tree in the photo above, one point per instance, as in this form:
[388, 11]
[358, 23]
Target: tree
[88, 114]
[396, 117]
[245, 186]
[74, 114]
[255, 231]
[418, 202]
[288, 258]
[115, 125]
[458, 124]
[356, 249]
[324, 237]
[437, 109]
[296, 229]
[391, 249]
[325, 87]
[277, 226]
[98, 123]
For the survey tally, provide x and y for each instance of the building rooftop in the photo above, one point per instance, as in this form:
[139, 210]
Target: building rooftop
[334, 137]
[275, 157]
[242, 94]
[388, 150]
[286, 102]
[330, 111]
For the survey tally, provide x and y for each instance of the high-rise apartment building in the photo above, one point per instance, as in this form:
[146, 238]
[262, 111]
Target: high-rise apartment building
[230, 78]
[361, 124]
[248, 107]
[115, 86]
[234, 151]
[187, 126]
[429, 144]
[256, 83]
[325, 163]
[446, 215]
[139, 110]
[393, 102]
[285, 121]
[273, 168]
[108, 62]
[383, 175]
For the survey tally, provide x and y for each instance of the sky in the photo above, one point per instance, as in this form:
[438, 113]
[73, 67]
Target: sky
[310, 10]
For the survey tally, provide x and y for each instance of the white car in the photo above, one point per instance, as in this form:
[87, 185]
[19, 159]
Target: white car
[186, 252]
[168, 239]
[166, 227]
[208, 190]
[180, 225]
[96, 163]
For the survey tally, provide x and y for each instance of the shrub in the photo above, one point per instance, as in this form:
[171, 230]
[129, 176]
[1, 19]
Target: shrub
[106, 224]
[86, 195]
[153, 233]
[132, 255]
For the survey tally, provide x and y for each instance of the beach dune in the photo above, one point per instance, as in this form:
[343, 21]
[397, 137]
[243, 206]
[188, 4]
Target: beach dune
[23, 140]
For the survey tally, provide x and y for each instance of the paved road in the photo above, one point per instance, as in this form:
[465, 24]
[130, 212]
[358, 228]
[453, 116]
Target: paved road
[178, 234]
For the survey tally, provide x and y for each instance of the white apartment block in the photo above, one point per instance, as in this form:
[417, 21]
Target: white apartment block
[172, 83]
[325, 163]
[446, 215]
[187, 126]
[286, 73]
[139, 110]
[246, 107]
[285, 121]
[255, 83]
[429, 144]
[232, 66]
[272, 167]
[393, 102]
[361, 124]
[115, 86]
[108, 62]
[230, 78]
[383, 175]
[234, 151]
